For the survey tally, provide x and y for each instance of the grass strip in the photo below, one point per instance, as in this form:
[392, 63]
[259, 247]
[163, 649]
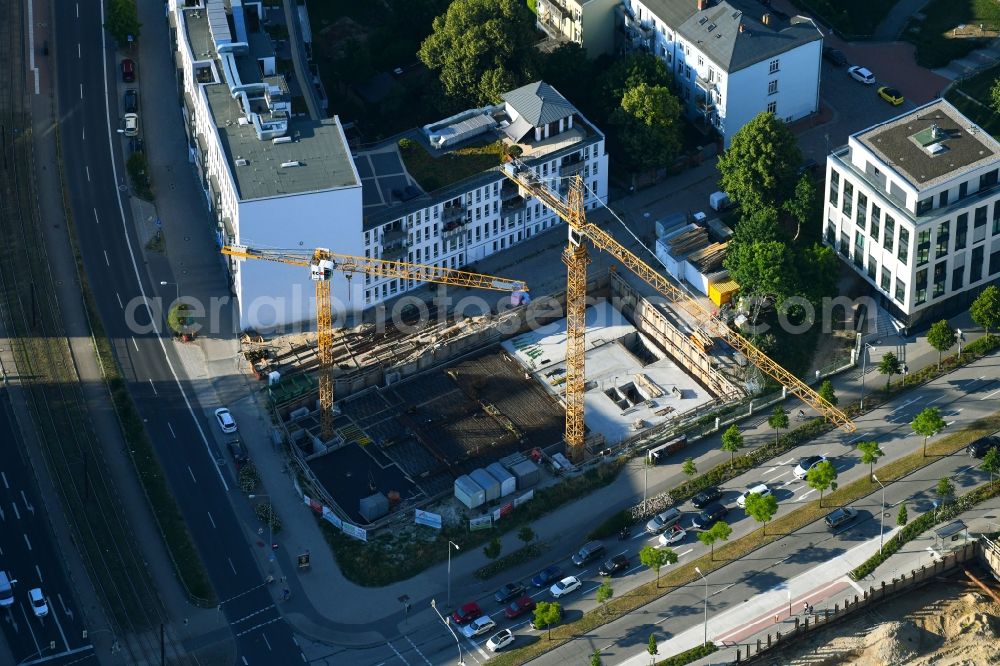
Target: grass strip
[734, 550]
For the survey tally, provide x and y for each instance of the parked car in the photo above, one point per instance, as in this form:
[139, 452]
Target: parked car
[859, 73]
[615, 565]
[131, 101]
[706, 497]
[838, 517]
[6, 589]
[662, 521]
[834, 56]
[519, 607]
[479, 626]
[674, 535]
[500, 640]
[546, 576]
[759, 489]
[565, 586]
[238, 452]
[802, 469]
[225, 420]
[590, 552]
[508, 592]
[128, 70]
[982, 446]
[38, 604]
[131, 124]
[467, 613]
[891, 95]
[709, 516]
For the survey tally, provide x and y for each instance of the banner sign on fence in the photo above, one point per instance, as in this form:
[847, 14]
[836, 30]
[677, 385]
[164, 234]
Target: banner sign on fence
[481, 523]
[427, 518]
[355, 531]
[518, 501]
[332, 518]
[503, 511]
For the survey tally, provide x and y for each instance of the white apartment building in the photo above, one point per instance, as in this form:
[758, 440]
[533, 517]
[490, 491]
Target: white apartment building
[589, 23]
[462, 222]
[912, 204]
[731, 59]
[272, 179]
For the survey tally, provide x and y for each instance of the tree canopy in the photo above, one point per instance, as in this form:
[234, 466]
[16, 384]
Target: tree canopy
[759, 168]
[657, 558]
[804, 205]
[889, 366]
[927, 423]
[827, 393]
[481, 49]
[122, 21]
[778, 420]
[870, 453]
[821, 477]
[732, 440]
[985, 310]
[647, 122]
[761, 507]
[762, 269]
[942, 337]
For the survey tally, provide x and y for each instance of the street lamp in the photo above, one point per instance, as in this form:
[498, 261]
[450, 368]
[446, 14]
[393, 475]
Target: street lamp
[177, 289]
[864, 368]
[706, 603]
[450, 545]
[448, 625]
[881, 529]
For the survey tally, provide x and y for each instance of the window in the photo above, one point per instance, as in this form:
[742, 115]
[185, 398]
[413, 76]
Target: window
[904, 245]
[988, 180]
[924, 206]
[859, 247]
[900, 290]
[943, 199]
[773, 66]
[963, 189]
[940, 277]
[957, 276]
[687, 72]
[862, 211]
[701, 61]
[872, 268]
[874, 229]
[772, 107]
[995, 262]
[886, 282]
[919, 287]
[772, 87]
[961, 231]
[848, 199]
[980, 217]
[923, 246]
[890, 233]
[834, 187]
[845, 244]
[711, 74]
[976, 270]
[943, 231]
[996, 218]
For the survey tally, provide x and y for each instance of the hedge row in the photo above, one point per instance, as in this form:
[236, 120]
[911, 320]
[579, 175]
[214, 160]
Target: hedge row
[512, 559]
[917, 527]
[686, 657]
[611, 526]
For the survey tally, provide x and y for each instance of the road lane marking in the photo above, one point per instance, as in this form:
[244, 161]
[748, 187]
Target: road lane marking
[87, 169]
[722, 590]
[171, 429]
[66, 611]
[16, 512]
[192, 476]
[948, 424]
[28, 623]
[136, 345]
[27, 504]
[679, 555]
[97, 219]
[106, 260]
[990, 395]
[804, 495]
[5, 484]
[81, 91]
[266, 642]
[154, 387]
[851, 441]
[231, 565]
[78, 10]
[28, 543]
[38, 571]
[417, 650]
[905, 404]
[210, 519]
[79, 54]
[401, 657]
[120, 304]
[59, 626]
[638, 566]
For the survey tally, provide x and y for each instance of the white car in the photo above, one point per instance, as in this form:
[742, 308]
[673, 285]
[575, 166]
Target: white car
[761, 489]
[802, 469]
[500, 641]
[674, 535]
[565, 586]
[131, 124]
[226, 421]
[479, 626]
[38, 604]
[862, 74]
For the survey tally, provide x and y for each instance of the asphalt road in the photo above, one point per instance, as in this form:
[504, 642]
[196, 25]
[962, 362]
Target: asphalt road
[93, 158]
[31, 558]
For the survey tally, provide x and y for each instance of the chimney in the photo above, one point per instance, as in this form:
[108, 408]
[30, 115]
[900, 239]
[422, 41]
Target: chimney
[766, 18]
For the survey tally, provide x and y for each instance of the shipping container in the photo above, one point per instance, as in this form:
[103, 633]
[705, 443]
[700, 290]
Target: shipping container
[527, 474]
[508, 483]
[486, 481]
[469, 493]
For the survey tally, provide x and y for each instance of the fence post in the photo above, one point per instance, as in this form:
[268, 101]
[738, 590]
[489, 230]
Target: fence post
[796, 624]
[769, 640]
[836, 609]
[758, 647]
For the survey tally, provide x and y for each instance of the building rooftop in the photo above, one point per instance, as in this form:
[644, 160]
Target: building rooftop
[539, 103]
[716, 29]
[270, 152]
[930, 144]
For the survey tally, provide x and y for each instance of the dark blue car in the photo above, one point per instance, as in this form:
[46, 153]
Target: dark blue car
[547, 576]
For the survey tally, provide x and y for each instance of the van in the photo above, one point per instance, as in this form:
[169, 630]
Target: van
[719, 201]
[588, 553]
[6, 590]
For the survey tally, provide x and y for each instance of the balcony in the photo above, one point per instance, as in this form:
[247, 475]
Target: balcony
[571, 167]
[452, 214]
[512, 204]
[453, 230]
[394, 245]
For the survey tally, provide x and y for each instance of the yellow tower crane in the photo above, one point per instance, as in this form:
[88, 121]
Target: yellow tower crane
[575, 257]
[322, 262]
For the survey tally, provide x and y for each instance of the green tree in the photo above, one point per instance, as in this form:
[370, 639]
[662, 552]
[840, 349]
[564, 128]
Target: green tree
[604, 594]
[942, 337]
[652, 649]
[480, 49]
[625, 73]
[720, 531]
[657, 558]
[804, 205]
[493, 548]
[902, 517]
[122, 21]
[762, 508]
[762, 269]
[595, 658]
[817, 272]
[985, 310]
[821, 477]
[547, 613]
[870, 453]
[926, 423]
[760, 166]
[568, 69]
[757, 226]
[689, 468]
[991, 463]
[995, 95]
[732, 440]
[778, 420]
[889, 366]
[827, 393]
[526, 534]
[944, 489]
[647, 122]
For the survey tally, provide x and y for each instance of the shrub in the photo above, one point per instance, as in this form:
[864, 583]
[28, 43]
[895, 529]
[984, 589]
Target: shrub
[406, 144]
[266, 514]
[612, 525]
[511, 559]
[138, 173]
[686, 657]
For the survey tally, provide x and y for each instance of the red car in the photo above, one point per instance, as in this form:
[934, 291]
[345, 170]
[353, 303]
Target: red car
[519, 607]
[128, 71]
[467, 613]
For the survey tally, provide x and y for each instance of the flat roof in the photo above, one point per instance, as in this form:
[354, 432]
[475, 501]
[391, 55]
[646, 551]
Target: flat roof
[902, 143]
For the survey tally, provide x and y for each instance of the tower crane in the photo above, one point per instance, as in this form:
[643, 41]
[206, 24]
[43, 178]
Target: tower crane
[322, 262]
[571, 210]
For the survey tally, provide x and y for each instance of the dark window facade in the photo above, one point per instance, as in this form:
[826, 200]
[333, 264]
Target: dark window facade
[943, 236]
[976, 268]
[920, 287]
[940, 278]
[890, 232]
[923, 246]
[961, 231]
[957, 278]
